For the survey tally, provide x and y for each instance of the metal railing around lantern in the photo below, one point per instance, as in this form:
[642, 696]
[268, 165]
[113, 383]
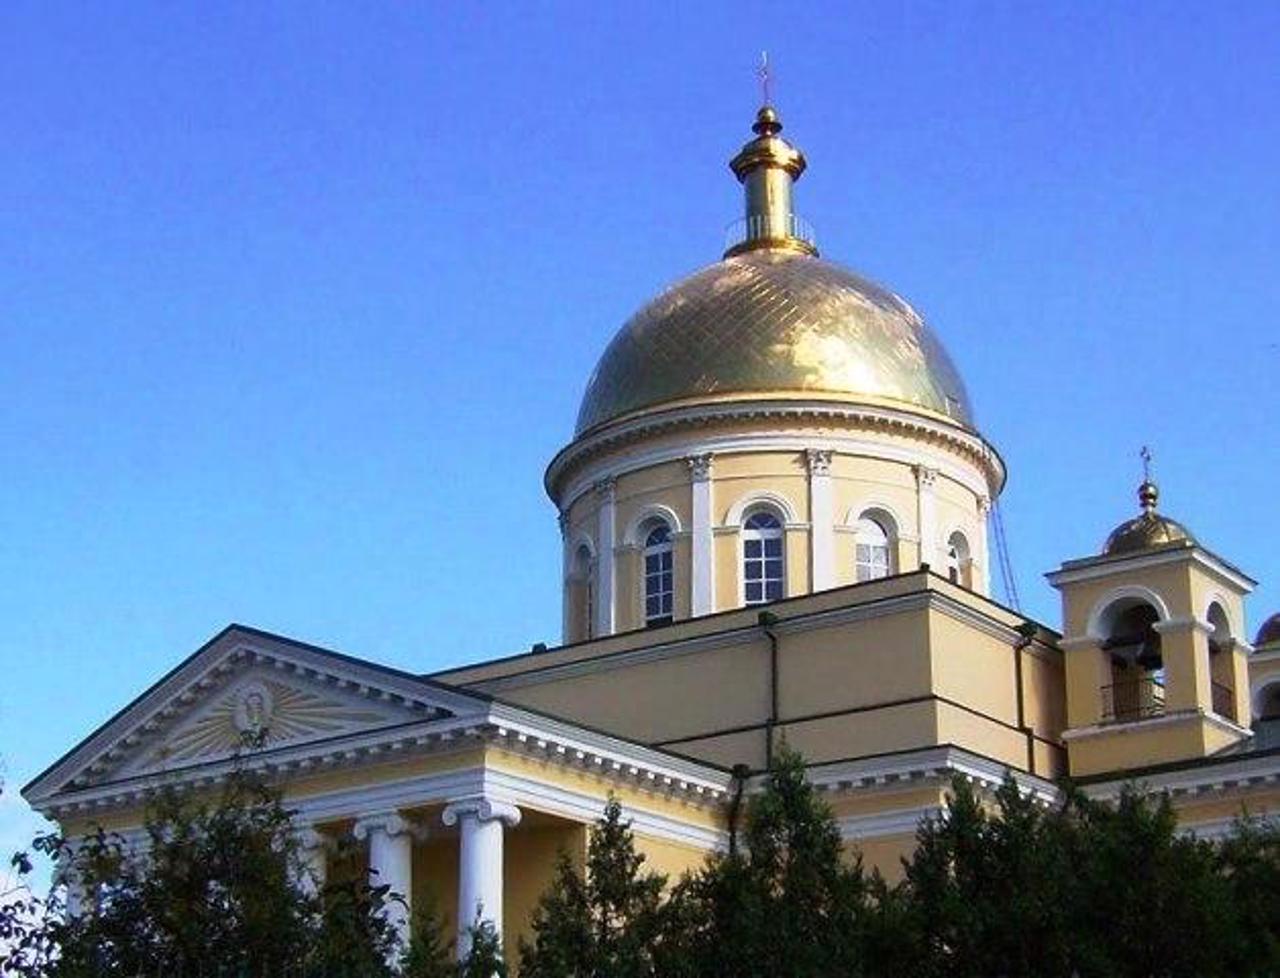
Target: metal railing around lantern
[761, 227]
[1133, 699]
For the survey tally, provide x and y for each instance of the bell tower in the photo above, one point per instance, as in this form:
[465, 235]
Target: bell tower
[1156, 668]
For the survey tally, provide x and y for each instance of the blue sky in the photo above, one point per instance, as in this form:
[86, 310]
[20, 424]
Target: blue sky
[297, 300]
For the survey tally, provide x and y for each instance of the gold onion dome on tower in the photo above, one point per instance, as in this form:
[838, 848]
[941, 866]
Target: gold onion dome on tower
[1148, 530]
[772, 320]
[1269, 633]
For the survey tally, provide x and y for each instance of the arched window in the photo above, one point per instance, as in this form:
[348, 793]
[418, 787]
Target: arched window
[1133, 646]
[658, 580]
[871, 550]
[762, 564]
[1221, 679]
[958, 559]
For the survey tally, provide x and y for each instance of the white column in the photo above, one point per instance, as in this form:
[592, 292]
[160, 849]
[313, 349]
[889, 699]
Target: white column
[605, 493]
[313, 855]
[822, 521]
[481, 823]
[390, 838]
[73, 895]
[702, 551]
[928, 518]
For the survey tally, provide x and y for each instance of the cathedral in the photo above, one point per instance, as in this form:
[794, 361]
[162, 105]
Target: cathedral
[776, 513]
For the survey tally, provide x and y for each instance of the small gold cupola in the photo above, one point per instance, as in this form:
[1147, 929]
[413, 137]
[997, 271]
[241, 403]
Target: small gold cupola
[767, 166]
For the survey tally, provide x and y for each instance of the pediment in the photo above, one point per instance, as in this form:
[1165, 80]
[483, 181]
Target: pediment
[248, 692]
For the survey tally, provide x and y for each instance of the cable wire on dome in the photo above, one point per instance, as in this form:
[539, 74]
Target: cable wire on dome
[1002, 556]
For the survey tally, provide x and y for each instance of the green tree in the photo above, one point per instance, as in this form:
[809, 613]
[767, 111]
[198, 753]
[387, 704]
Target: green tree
[787, 903]
[1144, 899]
[484, 958]
[429, 954]
[606, 924]
[1249, 859]
[984, 892]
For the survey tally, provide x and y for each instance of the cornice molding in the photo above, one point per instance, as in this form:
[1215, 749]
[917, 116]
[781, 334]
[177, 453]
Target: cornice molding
[162, 709]
[988, 472]
[505, 726]
[1093, 568]
[914, 601]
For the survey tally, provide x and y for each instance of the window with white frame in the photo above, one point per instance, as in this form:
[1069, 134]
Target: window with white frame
[762, 563]
[871, 550]
[659, 589]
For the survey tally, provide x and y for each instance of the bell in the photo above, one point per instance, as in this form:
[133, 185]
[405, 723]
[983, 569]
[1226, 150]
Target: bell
[1149, 656]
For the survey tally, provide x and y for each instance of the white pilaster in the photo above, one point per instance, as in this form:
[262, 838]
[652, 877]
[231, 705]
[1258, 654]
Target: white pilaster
[390, 838]
[702, 554]
[822, 520]
[605, 572]
[982, 563]
[481, 823]
[566, 585]
[927, 516]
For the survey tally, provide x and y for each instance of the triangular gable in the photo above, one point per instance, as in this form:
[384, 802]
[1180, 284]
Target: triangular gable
[248, 689]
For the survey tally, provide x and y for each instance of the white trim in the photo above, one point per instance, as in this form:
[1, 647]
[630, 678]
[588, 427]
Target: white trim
[653, 511]
[822, 517]
[1227, 776]
[808, 621]
[737, 513]
[927, 766]
[218, 666]
[886, 448]
[1125, 592]
[1222, 601]
[1092, 568]
[580, 539]
[606, 571]
[1160, 720]
[903, 821]
[702, 559]
[872, 505]
[891, 424]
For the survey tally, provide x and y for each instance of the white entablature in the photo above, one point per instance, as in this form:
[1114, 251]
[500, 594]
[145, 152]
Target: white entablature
[258, 702]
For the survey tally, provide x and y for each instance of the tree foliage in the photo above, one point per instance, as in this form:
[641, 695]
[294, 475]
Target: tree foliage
[218, 891]
[786, 903]
[604, 924]
[999, 886]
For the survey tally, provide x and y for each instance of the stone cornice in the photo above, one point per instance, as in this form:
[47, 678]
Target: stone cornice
[1093, 568]
[959, 440]
[924, 599]
[511, 728]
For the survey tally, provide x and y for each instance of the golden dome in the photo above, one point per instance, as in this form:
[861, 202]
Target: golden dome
[774, 322]
[1269, 633]
[1147, 531]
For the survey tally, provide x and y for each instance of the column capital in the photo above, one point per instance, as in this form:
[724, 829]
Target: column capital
[563, 520]
[699, 466]
[1073, 642]
[818, 460]
[926, 476]
[482, 809]
[984, 505]
[390, 824]
[1186, 623]
[605, 488]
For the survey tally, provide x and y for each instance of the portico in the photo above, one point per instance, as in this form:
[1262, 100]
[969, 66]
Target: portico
[457, 801]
